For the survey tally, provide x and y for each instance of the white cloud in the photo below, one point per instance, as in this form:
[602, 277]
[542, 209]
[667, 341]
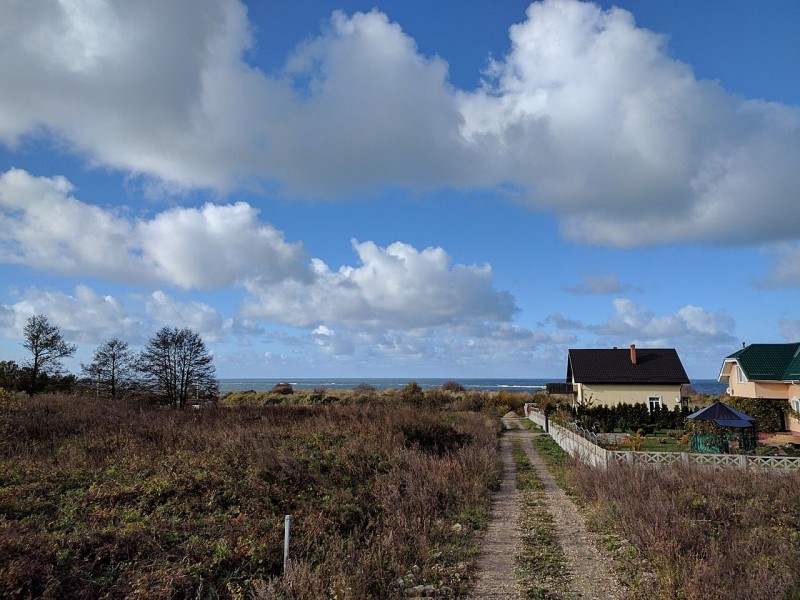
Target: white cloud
[699, 335]
[84, 316]
[587, 116]
[198, 316]
[43, 226]
[690, 323]
[602, 126]
[397, 287]
[217, 245]
[88, 317]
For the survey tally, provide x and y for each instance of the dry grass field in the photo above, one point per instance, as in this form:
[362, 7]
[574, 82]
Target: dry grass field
[118, 500]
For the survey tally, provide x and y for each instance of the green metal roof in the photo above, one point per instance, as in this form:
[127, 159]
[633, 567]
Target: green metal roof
[769, 362]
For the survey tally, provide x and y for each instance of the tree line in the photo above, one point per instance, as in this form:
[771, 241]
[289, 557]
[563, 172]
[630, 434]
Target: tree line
[174, 366]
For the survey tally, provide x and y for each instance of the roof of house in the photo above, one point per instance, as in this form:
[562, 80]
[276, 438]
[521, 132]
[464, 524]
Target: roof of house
[653, 365]
[769, 362]
[723, 415]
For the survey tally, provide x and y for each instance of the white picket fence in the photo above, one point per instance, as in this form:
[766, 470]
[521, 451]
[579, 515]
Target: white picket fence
[590, 453]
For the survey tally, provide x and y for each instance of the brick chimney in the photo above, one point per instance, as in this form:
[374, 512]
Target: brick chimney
[633, 354]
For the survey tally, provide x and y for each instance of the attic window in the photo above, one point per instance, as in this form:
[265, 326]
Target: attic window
[740, 375]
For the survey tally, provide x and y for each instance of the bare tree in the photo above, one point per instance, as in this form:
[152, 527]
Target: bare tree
[176, 365]
[111, 368]
[47, 347]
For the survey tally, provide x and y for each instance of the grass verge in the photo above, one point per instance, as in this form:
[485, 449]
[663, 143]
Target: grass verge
[542, 569]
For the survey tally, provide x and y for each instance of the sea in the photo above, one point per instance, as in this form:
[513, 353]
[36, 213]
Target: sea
[702, 386]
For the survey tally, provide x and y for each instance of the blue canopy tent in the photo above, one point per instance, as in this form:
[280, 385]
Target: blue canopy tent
[721, 428]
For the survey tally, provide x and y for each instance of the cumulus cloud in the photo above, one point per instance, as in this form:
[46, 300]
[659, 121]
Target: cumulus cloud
[43, 226]
[601, 125]
[598, 285]
[633, 322]
[396, 287]
[587, 116]
[165, 91]
[88, 317]
[700, 336]
[202, 318]
[83, 316]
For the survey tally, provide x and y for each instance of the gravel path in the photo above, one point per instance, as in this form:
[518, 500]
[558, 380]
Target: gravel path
[496, 567]
[588, 563]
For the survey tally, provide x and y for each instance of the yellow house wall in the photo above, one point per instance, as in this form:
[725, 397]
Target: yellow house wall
[612, 394]
[759, 389]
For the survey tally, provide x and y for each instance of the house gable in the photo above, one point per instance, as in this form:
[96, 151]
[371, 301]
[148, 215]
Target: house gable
[765, 362]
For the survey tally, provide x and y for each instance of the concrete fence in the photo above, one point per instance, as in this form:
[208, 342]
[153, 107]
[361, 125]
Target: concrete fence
[588, 452]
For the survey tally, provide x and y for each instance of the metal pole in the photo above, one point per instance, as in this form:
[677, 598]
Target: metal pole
[287, 525]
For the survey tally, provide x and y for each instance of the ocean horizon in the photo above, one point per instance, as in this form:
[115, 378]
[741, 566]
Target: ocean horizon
[703, 386]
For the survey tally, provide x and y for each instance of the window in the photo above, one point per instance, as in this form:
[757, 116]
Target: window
[796, 405]
[740, 375]
[654, 402]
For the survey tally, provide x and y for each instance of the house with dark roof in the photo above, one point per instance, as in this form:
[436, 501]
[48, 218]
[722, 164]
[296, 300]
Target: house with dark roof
[765, 371]
[606, 377]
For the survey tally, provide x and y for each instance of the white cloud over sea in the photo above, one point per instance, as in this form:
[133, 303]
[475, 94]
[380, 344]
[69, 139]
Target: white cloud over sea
[587, 116]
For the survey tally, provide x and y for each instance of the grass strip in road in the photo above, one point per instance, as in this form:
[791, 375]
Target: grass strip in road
[556, 460]
[542, 569]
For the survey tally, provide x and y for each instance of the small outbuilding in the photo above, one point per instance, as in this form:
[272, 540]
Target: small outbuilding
[721, 428]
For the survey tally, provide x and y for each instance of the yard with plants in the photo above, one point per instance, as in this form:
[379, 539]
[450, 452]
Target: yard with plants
[122, 500]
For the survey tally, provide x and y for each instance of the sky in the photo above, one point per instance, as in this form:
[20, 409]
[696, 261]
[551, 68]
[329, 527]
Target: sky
[401, 188]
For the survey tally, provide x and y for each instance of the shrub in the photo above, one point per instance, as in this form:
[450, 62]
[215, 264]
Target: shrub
[769, 413]
[452, 386]
[412, 394]
[434, 438]
[319, 396]
[284, 389]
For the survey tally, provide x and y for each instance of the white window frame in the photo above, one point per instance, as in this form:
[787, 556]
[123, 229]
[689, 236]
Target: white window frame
[740, 378]
[650, 400]
[796, 404]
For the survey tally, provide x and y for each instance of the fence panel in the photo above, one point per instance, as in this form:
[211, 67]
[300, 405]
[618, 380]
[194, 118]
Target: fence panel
[582, 444]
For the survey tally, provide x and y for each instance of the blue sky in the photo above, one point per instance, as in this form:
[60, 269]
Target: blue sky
[402, 188]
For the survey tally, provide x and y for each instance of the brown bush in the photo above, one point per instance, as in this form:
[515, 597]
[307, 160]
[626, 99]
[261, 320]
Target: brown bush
[284, 389]
[452, 386]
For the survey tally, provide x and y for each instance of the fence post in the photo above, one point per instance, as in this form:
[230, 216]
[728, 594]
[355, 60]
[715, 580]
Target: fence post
[743, 461]
[287, 525]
